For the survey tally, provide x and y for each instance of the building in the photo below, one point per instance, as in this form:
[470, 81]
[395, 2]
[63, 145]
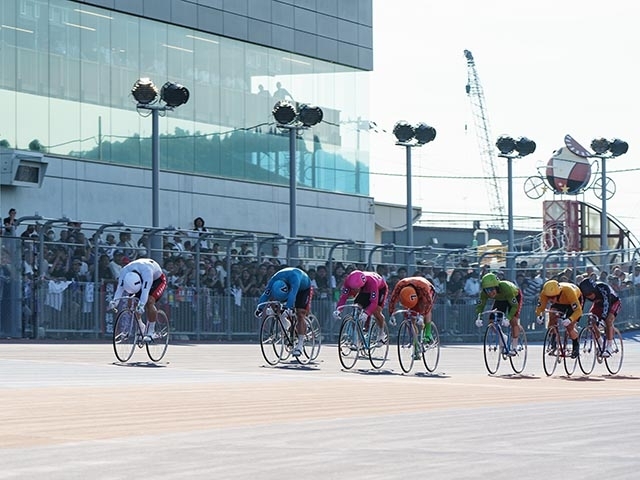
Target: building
[73, 143]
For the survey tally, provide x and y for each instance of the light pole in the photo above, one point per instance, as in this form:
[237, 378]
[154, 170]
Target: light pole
[147, 98]
[293, 119]
[605, 149]
[408, 137]
[510, 149]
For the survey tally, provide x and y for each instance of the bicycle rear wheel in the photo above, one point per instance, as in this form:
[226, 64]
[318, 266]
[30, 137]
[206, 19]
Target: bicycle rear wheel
[125, 330]
[570, 363]
[378, 350]
[492, 349]
[614, 362]
[550, 350]
[431, 350]
[407, 343]
[313, 326]
[519, 360]
[349, 342]
[157, 347]
[309, 345]
[271, 339]
[588, 351]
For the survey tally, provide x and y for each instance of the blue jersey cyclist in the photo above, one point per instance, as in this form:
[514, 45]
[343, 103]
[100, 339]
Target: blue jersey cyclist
[293, 286]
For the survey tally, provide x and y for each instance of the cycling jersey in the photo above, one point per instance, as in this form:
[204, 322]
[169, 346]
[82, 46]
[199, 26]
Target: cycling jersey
[299, 284]
[151, 274]
[424, 289]
[570, 299]
[508, 299]
[375, 288]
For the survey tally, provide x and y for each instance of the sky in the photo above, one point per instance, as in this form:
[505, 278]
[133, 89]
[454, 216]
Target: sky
[547, 68]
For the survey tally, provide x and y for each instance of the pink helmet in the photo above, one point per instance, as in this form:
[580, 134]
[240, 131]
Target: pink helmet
[355, 280]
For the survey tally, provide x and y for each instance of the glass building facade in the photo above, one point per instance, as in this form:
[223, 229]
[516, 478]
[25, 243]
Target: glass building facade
[66, 77]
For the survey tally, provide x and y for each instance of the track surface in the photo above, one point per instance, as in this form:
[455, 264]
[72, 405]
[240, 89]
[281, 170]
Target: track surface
[70, 411]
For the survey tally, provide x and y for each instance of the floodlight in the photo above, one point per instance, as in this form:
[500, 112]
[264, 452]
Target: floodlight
[144, 91]
[506, 145]
[524, 146]
[618, 147]
[310, 115]
[424, 133]
[284, 112]
[403, 131]
[600, 146]
[174, 94]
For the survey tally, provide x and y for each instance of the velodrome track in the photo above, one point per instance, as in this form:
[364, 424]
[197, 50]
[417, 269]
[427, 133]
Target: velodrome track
[214, 411]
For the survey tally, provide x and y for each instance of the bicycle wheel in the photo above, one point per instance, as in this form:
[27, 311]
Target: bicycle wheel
[309, 345]
[349, 342]
[588, 351]
[157, 347]
[519, 360]
[492, 349]
[406, 346]
[125, 330]
[550, 350]
[271, 339]
[314, 325]
[431, 350]
[378, 350]
[614, 362]
[570, 363]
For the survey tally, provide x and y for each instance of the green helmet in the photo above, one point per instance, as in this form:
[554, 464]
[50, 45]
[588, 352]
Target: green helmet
[489, 280]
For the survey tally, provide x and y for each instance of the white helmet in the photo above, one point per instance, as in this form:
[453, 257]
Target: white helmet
[132, 282]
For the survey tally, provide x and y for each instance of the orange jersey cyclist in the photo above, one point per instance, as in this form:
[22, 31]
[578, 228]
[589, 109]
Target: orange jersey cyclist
[370, 292]
[417, 294]
[566, 299]
[605, 305]
[507, 298]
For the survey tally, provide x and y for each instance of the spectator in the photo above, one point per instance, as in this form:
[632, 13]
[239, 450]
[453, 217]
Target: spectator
[472, 286]
[10, 222]
[199, 229]
[275, 256]
[126, 245]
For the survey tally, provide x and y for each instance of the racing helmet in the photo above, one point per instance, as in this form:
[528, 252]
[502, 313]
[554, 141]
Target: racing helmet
[587, 287]
[489, 280]
[551, 288]
[279, 290]
[355, 280]
[132, 282]
[408, 297]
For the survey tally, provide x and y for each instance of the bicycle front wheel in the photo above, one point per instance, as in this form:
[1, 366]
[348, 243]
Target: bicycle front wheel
[550, 350]
[519, 360]
[431, 350]
[157, 347]
[492, 349]
[614, 362]
[349, 343]
[313, 328]
[271, 339]
[407, 346]
[588, 351]
[378, 349]
[125, 330]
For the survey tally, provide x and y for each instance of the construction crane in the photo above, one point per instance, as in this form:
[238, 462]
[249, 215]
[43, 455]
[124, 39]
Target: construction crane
[483, 136]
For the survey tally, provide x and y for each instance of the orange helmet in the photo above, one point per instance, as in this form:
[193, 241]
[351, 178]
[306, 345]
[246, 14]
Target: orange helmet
[408, 297]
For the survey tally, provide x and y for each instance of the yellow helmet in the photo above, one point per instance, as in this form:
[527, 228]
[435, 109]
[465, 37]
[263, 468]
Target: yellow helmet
[551, 288]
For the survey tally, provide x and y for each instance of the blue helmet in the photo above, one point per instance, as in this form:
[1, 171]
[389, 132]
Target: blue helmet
[279, 291]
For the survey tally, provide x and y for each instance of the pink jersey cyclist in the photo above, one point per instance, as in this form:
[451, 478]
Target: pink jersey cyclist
[370, 291]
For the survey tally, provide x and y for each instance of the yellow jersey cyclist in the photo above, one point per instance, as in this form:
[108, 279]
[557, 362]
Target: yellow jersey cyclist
[507, 298]
[564, 299]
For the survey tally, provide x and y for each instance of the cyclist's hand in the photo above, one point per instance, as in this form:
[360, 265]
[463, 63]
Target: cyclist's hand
[112, 305]
[336, 314]
[420, 319]
[364, 316]
[540, 320]
[566, 322]
[140, 309]
[505, 322]
[479, 322]
[258, 312]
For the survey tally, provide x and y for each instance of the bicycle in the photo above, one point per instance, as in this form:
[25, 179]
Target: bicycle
[556, 346]
[278, 334]
[497, 344]
[412, 345]
[354, 340]
[592, 346]
[129, 329]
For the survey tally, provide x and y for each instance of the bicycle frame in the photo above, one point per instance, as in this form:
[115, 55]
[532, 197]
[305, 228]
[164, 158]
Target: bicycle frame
[561, 353]
[411, 345]
[497, 343]
[592, 344]
[353, 342]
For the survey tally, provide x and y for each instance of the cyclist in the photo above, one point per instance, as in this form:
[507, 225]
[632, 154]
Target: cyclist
[145, 279]
[370, 292]
[293, 286]
[605, 304]
[566, 299]
[418, 294]
[507, 298]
